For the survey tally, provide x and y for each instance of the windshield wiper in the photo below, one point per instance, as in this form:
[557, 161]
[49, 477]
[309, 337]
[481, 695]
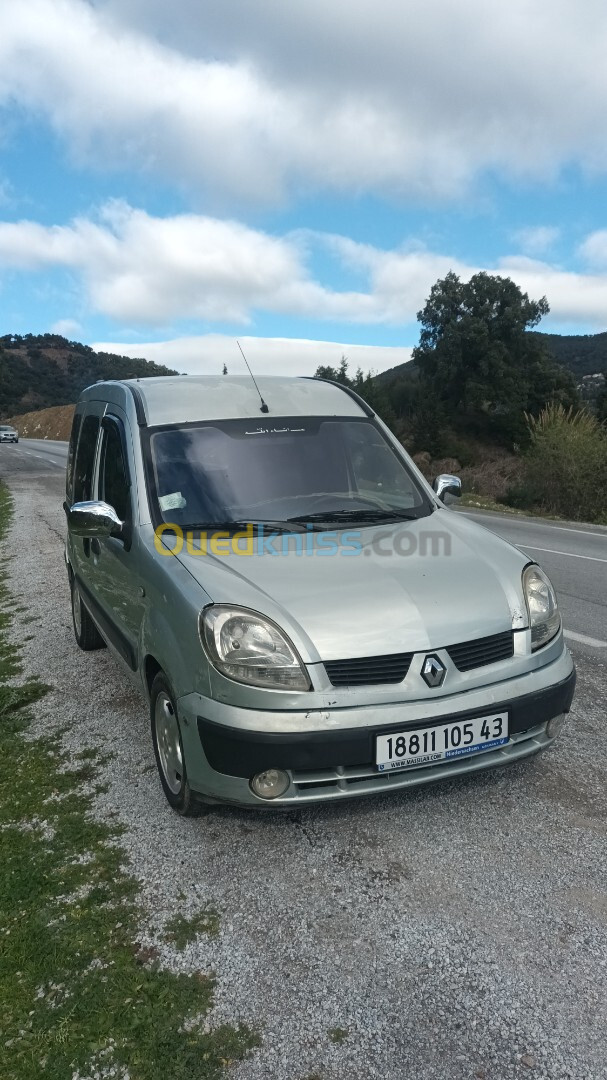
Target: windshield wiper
[370, 516]
[238, 526]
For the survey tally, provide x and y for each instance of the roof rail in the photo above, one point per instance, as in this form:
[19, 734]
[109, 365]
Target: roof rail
[139, 406]
[368, 411]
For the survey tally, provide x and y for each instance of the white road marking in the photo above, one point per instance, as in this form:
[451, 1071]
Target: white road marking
[551, 551]
[562, 528]
[540, 524]
[596, 643]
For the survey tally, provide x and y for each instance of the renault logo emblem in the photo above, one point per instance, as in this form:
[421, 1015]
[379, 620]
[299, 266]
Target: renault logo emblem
[433, 671]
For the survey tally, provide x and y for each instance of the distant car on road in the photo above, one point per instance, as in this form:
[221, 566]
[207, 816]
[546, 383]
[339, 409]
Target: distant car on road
[306, 617]
[8, 434]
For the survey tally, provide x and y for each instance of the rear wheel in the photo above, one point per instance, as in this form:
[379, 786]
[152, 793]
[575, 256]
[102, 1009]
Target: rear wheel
[168, 749]
[86, 633]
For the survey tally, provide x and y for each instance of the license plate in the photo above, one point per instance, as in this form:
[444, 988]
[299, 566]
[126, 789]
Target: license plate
[426, 746]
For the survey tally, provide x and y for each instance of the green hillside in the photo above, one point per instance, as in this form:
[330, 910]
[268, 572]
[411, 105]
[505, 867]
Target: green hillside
[37, 371]
[582, 354]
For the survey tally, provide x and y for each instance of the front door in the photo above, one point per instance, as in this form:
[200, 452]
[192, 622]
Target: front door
[80, 482]
[115, 581]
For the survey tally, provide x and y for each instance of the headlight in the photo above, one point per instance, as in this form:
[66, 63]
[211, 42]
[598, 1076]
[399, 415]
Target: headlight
[544, 618]
[251, 649]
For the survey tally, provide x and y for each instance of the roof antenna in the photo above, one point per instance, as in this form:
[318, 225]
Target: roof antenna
[264, 407]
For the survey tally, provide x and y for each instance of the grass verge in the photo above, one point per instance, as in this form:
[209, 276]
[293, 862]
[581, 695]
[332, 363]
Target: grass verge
[487, 502]
[79, 1000]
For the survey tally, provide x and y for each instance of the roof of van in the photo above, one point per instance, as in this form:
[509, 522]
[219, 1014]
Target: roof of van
[181, 399]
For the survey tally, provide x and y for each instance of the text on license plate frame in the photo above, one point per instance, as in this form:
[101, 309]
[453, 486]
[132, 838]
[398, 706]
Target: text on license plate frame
[429, 745]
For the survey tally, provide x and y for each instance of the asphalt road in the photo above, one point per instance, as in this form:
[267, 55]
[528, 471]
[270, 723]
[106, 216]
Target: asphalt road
[458, 932]
[33, 456]
[575, 559]
[574, 556]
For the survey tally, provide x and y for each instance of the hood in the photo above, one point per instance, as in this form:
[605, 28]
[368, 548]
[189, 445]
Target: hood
[415, 586]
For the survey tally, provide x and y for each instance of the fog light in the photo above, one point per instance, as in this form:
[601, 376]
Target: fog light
[555, 726]
[270, 784]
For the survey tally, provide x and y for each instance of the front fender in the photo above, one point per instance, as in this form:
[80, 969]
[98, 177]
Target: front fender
[169, 629]
[177, 650]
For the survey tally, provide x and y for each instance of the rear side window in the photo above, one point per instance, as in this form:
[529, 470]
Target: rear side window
[113, 474]
[85, 459]
[71, 455]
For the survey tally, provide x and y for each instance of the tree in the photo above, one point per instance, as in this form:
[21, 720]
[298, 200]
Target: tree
[601, 402]
[375, 395]
[340, 374]
[478, 364]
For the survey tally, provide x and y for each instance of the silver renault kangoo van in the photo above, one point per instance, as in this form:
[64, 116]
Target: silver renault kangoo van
[306, 617]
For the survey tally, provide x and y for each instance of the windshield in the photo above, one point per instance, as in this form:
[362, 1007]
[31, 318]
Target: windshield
[284, 471]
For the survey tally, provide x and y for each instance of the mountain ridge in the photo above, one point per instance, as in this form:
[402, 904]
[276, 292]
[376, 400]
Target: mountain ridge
[582, 354]
[39, 371]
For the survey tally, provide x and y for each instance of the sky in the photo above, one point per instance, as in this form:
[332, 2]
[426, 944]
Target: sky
[174, 177]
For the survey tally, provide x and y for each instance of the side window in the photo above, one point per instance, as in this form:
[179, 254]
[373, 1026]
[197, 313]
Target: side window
[71, 455]
[85, 459]
[113, 475]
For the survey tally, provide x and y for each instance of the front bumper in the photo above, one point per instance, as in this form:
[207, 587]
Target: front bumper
[334, 756]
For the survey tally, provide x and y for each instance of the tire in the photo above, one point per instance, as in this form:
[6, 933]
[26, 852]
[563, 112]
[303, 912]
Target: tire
[168, 749]
[86, 633]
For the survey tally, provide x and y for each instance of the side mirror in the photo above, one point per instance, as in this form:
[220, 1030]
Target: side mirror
[94, 519]
[446, 484]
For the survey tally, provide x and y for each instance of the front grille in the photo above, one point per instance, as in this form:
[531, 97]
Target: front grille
[372, 670]
[369, 670]
[482, 651]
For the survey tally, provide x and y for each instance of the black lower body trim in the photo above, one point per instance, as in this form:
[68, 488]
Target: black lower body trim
[107, 626]
[238, 752]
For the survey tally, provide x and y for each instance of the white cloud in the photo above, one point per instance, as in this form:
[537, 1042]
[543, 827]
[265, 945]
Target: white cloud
[537, 239]
[248, 100]
[573, 297]
[207, 353]
[68, 328]
[149, 271]
[594, 249]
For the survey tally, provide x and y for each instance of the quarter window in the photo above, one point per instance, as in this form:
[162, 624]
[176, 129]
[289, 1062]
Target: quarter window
[113, 475]
[85, 459]
[71, 455]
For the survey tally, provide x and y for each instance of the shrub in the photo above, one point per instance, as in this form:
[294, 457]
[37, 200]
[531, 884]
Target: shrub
[565, 469]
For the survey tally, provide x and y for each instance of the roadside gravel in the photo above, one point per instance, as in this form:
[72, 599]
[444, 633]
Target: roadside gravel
[456, 932]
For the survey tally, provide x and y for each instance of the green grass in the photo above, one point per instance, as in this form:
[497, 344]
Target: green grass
[181, 930]
[78, 996]
[338, 1034]
[487, 502]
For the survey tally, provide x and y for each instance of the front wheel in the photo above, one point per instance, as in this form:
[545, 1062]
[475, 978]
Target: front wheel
[168, 749]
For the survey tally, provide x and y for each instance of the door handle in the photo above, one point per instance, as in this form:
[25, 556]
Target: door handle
[95, 547]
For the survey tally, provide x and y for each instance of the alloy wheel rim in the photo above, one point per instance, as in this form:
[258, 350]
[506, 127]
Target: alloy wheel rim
[168, 743]
[76, 610]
